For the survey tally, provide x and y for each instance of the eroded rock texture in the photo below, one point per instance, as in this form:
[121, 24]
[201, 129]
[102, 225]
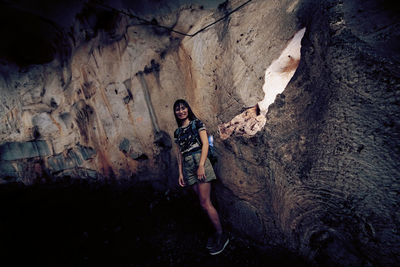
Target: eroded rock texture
[321, 177]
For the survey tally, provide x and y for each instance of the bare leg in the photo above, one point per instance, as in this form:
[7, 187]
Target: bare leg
[196, 189]
[203, 191]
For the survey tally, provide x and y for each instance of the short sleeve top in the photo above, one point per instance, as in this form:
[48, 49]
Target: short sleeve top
[186, 139]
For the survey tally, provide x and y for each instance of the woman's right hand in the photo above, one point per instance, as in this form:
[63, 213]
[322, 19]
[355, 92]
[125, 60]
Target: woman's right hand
[181, 181]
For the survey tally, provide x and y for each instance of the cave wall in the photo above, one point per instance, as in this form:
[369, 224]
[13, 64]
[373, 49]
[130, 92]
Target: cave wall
[327, 160]
[114, 95]
[320, 178]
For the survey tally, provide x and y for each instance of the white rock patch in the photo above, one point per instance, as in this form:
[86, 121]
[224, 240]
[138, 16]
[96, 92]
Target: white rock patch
[279, 73]
[277, 77]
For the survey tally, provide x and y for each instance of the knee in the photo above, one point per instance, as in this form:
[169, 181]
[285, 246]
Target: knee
[206, 204]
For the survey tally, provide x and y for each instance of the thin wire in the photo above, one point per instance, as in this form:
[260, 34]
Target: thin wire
[155, 24]
[218, 20]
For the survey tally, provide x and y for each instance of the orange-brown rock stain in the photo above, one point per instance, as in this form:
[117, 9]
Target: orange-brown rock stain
[291, 65]
[130, 116]
[98, 140]
[185, 65]
[56, 124]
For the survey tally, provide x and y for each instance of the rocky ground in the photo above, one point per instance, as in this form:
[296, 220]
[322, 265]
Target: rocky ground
[81, 224]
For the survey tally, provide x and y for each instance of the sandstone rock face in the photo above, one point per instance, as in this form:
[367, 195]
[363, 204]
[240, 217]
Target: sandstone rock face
[321, 177]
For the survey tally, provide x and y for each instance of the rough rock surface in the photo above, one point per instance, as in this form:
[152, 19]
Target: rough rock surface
[321, 177]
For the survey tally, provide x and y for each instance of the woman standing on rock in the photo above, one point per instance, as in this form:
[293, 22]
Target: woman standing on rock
[195, 168]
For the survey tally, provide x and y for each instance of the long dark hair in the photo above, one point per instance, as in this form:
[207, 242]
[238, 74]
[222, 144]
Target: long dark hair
[191, 115]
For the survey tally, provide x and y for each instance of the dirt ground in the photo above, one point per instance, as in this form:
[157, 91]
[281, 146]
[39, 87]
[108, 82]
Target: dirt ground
[82, 224]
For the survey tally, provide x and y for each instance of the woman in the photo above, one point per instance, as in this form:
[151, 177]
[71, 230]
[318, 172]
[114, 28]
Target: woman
[195, 168]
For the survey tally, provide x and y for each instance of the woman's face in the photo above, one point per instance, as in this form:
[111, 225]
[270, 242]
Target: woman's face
[181, 112]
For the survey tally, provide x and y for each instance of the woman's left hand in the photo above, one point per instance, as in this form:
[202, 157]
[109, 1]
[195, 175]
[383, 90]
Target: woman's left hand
[201, 173]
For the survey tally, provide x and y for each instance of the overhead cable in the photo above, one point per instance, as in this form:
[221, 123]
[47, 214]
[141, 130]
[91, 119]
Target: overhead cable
[155, 24]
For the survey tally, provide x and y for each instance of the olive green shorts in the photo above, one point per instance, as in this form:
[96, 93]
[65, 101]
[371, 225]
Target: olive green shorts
[190, 166]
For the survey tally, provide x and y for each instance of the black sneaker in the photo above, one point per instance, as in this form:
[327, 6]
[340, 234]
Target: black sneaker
[211, 241]
[220, 243]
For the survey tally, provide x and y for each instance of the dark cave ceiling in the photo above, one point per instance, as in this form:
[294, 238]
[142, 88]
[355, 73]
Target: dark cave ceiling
[33, 31]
